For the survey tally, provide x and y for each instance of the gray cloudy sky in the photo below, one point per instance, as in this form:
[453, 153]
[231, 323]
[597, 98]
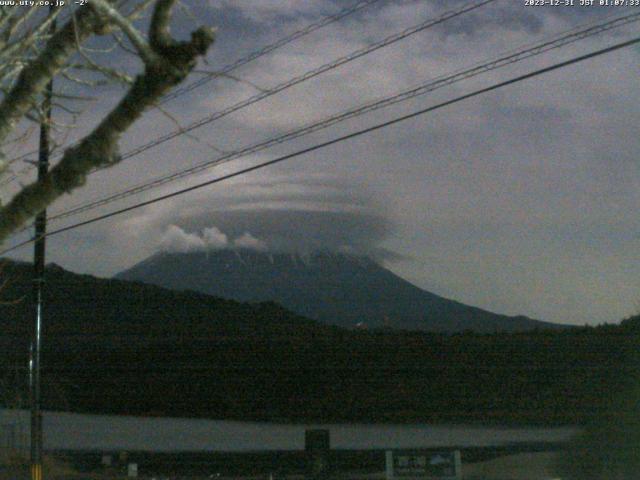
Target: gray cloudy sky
[521, 201]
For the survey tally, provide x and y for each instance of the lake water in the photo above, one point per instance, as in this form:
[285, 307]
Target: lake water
[102, 432]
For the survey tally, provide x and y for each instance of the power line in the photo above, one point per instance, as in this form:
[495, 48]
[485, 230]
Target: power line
[306, 76]
[309, 75]
[270, 48]
[439, 82]
[323, 22]
[514, 55]
[342, 138]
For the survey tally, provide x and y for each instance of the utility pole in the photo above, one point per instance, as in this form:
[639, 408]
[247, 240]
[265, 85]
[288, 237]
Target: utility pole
[38, 286]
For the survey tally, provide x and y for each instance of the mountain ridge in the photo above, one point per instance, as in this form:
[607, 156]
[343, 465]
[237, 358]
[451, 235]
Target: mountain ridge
[332, 287]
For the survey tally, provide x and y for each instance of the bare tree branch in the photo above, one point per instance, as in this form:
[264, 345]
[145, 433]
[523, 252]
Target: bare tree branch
[35, 76]
[159, 34]
[170, 65]
[144, 49]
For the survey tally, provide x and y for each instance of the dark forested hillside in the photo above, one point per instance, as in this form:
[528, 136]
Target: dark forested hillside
[119, 347]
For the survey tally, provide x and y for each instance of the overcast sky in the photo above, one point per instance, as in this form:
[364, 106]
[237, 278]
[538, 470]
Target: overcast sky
[521, 201]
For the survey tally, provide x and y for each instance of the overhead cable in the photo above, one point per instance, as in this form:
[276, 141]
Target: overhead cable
[281, 42]
[270, 48]
[334, 141]
[431, 85]
[308, 75]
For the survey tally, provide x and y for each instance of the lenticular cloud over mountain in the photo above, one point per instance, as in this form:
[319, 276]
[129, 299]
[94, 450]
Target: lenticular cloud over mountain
[299, 216]
[291, 231]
